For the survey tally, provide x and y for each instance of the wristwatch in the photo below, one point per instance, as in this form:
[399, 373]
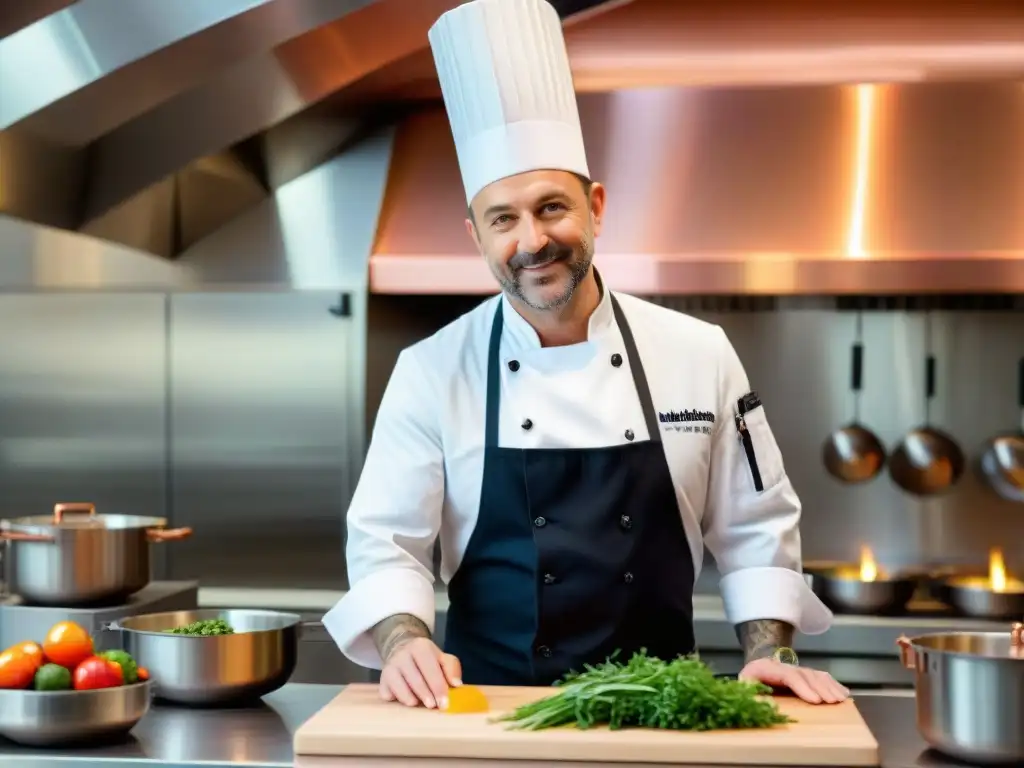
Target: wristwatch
[786, 656]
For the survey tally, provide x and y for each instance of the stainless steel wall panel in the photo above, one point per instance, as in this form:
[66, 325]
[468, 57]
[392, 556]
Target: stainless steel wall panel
[82, 402]
[799, 363]
[266, 433]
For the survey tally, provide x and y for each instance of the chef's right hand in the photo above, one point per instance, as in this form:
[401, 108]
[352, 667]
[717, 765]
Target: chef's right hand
[418, 672]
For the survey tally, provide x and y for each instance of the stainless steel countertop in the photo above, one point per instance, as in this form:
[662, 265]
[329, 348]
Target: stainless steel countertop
[262, 736]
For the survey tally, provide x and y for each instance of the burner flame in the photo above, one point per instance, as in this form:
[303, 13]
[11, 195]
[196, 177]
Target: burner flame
[869, 570]
[997, 570]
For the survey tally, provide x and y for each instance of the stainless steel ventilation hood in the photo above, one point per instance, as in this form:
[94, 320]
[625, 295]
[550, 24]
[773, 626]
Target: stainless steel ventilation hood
[151, 127]
[161, 129]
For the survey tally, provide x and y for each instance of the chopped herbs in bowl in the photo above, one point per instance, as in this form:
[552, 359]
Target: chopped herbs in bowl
[204, 628]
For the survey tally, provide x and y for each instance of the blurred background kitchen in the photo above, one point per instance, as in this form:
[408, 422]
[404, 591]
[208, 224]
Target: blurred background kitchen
[220, 222]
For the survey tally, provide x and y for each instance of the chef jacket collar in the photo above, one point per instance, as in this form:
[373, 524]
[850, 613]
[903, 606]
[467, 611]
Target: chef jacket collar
[521, 335]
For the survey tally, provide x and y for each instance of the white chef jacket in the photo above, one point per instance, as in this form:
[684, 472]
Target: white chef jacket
[423, 470]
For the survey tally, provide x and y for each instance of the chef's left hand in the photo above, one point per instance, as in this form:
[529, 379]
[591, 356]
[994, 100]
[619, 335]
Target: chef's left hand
[811, 685]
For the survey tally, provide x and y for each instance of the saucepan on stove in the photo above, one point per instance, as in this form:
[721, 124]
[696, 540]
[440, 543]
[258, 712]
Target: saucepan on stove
[864, 587]
[970, 693]
[78, 557]
[996, 594]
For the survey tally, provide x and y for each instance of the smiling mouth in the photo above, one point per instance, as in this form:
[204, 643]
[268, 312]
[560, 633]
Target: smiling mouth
[545, 265]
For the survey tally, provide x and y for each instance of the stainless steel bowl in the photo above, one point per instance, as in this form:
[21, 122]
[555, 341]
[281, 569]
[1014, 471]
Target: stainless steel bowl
[72, 718]
[218, 670]
[844, 591]
[970, 693]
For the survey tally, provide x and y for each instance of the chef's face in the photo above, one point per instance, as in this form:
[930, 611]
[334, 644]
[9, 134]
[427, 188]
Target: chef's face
[536, 231]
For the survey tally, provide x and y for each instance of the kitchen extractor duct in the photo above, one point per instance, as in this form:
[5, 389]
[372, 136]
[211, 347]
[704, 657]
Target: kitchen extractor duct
[803, 190]
[154, 127]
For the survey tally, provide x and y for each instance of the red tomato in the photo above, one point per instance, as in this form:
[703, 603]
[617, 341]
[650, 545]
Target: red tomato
[17, 669]
[143, 674]
[95, 673]
[67, 644]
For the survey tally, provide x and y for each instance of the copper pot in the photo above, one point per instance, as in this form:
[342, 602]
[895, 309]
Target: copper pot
[76, 557]
[968, 693]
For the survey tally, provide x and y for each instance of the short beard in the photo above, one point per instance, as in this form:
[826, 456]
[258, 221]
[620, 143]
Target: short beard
[578, 269]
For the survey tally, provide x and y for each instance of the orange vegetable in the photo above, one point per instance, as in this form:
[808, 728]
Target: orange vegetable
[17, 668]
[466, 699]
[32, 650]
[143, 674]
[67, 644]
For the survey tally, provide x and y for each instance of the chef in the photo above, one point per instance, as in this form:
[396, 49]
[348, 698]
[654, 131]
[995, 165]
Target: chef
[572, 448]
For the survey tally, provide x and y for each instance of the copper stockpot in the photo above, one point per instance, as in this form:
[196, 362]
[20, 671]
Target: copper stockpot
[969, 690]
[76, 557]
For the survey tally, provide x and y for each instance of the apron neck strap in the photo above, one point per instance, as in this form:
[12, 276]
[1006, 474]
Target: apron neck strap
[493, 405]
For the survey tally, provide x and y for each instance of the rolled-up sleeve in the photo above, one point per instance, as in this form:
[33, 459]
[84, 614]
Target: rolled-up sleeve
[394, 517]
[751, 522]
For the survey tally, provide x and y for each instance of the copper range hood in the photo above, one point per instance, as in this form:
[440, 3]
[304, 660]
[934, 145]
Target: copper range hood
[826, 190]
[869, 147]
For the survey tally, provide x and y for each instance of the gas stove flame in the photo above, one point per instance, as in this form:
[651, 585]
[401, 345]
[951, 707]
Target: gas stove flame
[997, 570]
[868, 567]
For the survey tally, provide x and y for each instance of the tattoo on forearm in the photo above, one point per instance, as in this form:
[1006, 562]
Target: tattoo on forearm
[761, 638]
[395, 631]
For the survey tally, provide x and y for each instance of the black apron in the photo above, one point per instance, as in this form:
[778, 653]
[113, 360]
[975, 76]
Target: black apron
[577, 552]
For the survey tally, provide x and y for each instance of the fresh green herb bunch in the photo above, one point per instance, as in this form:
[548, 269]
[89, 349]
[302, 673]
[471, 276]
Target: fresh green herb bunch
[204, 628]
[646, 692]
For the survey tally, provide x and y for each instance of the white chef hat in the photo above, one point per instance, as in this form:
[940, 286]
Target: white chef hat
[508, 90]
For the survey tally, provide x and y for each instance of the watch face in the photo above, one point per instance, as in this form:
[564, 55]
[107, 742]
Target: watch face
[786, 656]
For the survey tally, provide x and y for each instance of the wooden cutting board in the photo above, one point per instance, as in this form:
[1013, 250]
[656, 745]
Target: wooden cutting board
[358, 723]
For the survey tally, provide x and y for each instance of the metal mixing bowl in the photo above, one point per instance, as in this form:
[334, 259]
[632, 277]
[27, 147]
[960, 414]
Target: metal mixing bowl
[71, 718]
[216, 670]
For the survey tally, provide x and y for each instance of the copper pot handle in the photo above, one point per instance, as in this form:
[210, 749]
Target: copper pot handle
[908, 658]
[15, 536]
[160, 535]
[74, 507]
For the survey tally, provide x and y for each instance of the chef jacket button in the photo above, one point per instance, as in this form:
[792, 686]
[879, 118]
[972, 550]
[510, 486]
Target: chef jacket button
[627, 577]
[629, 434]
[540, 522]
[544, 651]
[549, 578]
[513, 365]
[527, 424]
[616, 359]
[626, 522]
